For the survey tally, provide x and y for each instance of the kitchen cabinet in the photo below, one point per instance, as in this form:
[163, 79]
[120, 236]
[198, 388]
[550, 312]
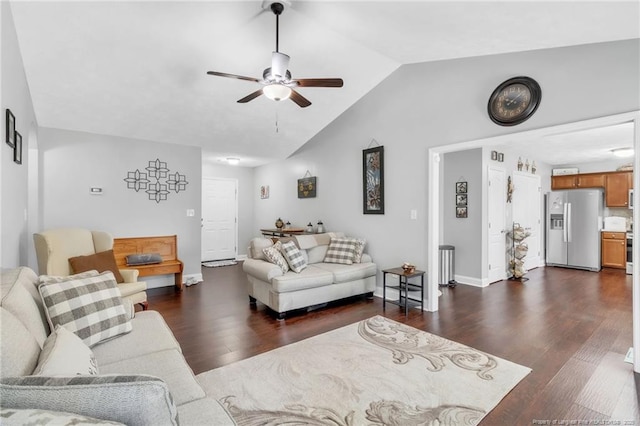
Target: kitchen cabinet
[614, 250]
[564, 182]
[617, 189]
[590, 180]
[630, 179]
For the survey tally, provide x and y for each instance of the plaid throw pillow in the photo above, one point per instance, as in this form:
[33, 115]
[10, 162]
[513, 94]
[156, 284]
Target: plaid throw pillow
[90, 307]
[274, 256]
[341, 250]
[293, 256]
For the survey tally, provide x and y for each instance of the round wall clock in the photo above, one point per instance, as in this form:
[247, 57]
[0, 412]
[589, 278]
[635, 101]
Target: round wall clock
[514, 101]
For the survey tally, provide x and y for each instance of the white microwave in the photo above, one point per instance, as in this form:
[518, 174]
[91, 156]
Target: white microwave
[631, 198]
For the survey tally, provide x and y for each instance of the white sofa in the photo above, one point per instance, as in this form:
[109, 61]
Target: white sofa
[143, 377]
[317, 284]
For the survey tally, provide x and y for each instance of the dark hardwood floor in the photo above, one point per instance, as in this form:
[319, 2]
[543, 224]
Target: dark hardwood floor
[572, 328]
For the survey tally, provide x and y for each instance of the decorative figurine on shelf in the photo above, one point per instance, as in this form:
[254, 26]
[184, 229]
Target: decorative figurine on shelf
[519, 164]
[279, 223]
[309, 227]
[526, 165]
[287, 225]
[320, 228]
[533, 167]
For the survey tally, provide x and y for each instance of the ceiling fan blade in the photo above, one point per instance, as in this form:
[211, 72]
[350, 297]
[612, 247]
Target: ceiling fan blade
[299, 99]
[250, 97]
[319, 82]
[239, 77]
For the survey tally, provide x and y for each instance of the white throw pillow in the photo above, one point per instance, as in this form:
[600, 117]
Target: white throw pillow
[293, 256]
[90, 307]
[65, 354]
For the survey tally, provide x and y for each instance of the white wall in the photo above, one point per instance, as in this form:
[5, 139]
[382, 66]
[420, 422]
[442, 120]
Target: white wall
[211, 168]
[427, 105]
[73, 162]
[14, 178]
[464, 233]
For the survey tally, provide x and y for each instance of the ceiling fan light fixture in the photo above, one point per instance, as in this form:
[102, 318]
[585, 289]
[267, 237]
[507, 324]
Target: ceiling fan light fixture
[623, 152]
[276, 91]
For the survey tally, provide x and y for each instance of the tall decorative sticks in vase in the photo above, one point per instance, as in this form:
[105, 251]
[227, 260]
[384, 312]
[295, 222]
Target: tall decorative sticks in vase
[519, 251]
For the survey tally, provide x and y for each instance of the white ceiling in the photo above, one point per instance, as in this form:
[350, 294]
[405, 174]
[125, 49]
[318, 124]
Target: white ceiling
[138, 69]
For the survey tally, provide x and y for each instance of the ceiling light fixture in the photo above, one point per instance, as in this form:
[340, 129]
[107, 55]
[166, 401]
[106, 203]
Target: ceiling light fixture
[276, 91]
[623, 152]
[233, 161]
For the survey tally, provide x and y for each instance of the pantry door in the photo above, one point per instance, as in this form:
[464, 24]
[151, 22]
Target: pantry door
[219, 218]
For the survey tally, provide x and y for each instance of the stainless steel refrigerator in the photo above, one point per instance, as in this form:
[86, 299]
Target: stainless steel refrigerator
[574, 222]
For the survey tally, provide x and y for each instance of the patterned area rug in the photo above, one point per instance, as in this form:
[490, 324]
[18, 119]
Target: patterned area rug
[375, 372]
[218, 263]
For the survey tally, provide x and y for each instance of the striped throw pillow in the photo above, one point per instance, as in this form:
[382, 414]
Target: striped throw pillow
[90, 307]
[293, 256]
[273, 255]
[341, 250]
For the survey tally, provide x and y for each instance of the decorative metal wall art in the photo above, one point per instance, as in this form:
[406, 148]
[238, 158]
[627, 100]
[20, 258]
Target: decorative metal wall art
[157, 182]
[373, 180]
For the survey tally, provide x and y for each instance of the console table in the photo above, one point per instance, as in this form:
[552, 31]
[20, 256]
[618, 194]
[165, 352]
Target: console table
[284, 232]
[404, 287]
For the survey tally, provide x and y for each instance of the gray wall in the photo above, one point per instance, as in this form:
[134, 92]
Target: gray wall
[247, 191]
[14, 178]
[433, 104]
[464, 233]
[73, 162]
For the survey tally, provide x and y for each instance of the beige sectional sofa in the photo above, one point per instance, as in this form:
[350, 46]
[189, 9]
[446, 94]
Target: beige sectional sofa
[318, 283]
[142, 379]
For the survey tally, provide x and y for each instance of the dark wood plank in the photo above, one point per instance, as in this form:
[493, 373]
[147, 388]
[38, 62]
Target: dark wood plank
[567, 325]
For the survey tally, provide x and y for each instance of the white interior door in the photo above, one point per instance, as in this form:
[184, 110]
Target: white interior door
[527, 208]
[219, 218]
[497, 198]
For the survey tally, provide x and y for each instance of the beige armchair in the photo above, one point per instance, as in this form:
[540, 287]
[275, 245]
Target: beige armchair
[54, 247]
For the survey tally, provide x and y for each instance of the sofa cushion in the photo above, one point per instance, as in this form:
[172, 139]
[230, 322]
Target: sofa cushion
[65, 354]
[273, 255]
[293, 256]
[132, 400]
[341, 250]
[257, 245]
[21, 417]
[308, 278]
[168, 365]
[18, 291]
[345, 273]
[150, 334]
[90, 307]
[18, 348]
[317, 254]
[101, 262]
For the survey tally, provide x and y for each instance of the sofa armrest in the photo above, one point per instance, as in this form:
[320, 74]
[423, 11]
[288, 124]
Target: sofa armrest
[261, 269]
[366, 258]
[132, 400]
[129, 275]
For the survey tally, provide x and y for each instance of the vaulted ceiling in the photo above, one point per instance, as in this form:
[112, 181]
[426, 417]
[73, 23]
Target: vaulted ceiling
[138, 69]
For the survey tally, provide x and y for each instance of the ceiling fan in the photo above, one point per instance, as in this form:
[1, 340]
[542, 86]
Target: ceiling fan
[277, 81]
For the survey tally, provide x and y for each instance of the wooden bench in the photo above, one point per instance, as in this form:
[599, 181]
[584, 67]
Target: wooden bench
[165, 246]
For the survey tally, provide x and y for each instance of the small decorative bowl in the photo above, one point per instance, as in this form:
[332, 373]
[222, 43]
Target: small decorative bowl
[408, 268]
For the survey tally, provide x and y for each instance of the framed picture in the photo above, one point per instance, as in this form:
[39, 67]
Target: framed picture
[264, 192]
[17, 149]
[373, 180]
[307, 187]
[461, 187]
[461, 212]
[461, 199]
[501, 157]
[11, 129]
[494, 155]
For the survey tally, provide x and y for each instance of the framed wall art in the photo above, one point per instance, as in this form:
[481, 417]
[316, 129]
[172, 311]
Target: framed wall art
[307, 187]
[264, 192]
[461, 187]
[461, 212]
[17, 149]
[10, 129]
[373, 180]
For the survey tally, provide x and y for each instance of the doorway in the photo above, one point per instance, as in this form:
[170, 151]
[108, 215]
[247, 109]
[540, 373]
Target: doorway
[219, 219]
[496, 199]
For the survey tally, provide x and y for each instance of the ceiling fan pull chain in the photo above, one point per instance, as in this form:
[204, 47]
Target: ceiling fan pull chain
[277, 129]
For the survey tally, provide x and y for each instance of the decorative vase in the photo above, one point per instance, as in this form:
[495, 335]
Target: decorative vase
[309, 227]
[526, 164]
[279, 223]
[533, 168]
[320, 228]
[287, 225]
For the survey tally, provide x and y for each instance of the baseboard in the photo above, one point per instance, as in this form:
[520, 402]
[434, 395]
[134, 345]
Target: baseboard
[241, 257]
[475, 282]
[192, 278]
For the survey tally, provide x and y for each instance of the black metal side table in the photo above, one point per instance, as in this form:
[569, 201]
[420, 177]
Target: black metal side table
[404, 287]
